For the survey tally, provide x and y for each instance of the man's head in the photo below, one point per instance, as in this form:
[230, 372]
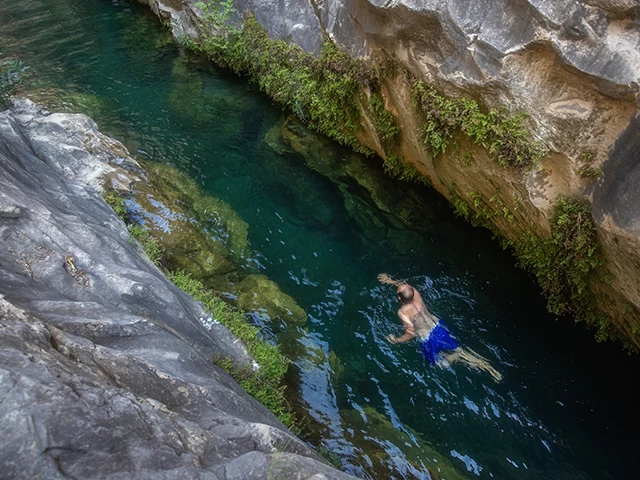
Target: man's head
[405, 293]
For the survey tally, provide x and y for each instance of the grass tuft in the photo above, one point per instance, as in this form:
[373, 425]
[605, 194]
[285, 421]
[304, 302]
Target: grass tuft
[264, 384]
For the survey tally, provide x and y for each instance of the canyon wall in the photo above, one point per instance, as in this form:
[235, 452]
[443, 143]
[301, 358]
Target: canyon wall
[572, 66]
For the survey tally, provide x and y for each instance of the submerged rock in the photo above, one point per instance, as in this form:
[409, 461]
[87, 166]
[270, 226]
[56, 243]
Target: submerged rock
[259, 293]
[197, 104]
[370, 424]
[198, 233]
[106, 368]
[372, 199]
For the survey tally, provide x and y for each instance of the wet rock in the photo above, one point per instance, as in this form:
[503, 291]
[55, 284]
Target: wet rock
[112, 377]
[198, 233]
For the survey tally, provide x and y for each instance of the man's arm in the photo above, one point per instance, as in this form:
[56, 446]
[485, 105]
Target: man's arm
[385, 278]
[409, 331]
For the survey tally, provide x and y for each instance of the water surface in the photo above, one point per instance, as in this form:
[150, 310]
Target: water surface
[323, 229]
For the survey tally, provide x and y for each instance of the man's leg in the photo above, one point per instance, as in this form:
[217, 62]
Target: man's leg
[473, 360]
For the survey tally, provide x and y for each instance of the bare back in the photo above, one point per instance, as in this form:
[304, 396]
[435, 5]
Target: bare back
[417, 313]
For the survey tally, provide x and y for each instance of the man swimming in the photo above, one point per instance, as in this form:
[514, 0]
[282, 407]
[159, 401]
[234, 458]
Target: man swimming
[435, 340]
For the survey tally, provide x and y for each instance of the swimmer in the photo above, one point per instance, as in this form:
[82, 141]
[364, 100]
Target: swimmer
[436, 345]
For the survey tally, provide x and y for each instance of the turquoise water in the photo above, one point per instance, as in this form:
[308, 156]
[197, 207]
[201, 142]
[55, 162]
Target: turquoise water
[323, 228]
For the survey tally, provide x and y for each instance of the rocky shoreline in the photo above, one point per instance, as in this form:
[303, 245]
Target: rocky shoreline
[107, 369]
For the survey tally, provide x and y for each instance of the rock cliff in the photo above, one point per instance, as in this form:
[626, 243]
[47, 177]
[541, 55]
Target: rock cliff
[573, 66]
[106, 368]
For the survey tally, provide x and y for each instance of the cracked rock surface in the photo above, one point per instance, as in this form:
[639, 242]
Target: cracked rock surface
[105, 367]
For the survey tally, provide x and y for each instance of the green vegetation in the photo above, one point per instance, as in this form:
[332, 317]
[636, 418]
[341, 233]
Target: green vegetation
[116, 202]
[265, 383]
[384, 122]
[588, 171]
[138, 233]
[321, 91]
[403, 171]
[149, 243]
[502, 135]
[330, 455]
[11, 75]
[482, 212]
[562, 264]
[518, 202]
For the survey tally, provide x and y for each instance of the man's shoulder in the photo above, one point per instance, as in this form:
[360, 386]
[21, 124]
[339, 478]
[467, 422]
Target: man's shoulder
[408, 310]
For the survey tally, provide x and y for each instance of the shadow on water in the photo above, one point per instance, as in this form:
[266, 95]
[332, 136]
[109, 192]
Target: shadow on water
[323, 223]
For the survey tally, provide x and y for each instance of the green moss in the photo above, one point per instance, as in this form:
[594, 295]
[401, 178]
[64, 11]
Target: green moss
[504, 136]
[384, 122]
[137, 232]
[259, 293]
[320, 91]
[368, 424]
[264, 384]
[332, 457]
[214, 216]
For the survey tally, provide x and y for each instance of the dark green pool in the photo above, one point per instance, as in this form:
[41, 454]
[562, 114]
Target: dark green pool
[323, 228]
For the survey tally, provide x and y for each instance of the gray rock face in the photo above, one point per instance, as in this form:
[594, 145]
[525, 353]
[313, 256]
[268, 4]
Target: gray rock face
[468, 41]
[106, 367]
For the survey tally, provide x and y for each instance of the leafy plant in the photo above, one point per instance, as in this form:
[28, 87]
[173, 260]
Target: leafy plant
[320, 91]
[384, 122]
[11, 76]
[403, 171]
[564, 263]
[116, 202]
[502, 135]
[588, 171]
